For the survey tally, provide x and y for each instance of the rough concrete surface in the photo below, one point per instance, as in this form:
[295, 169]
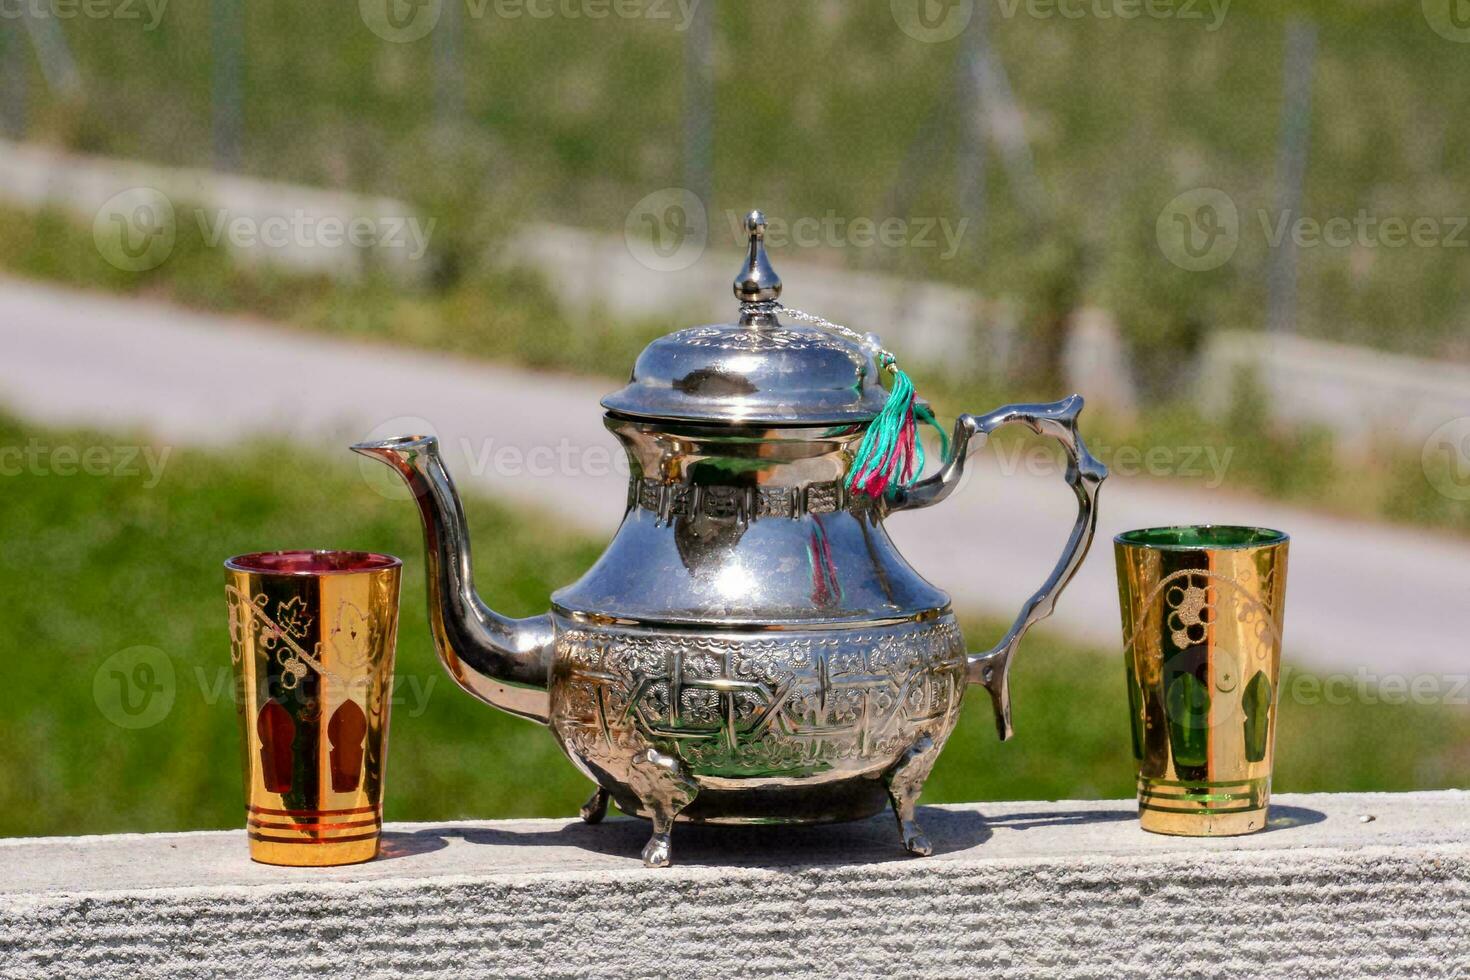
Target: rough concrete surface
[1056, 889]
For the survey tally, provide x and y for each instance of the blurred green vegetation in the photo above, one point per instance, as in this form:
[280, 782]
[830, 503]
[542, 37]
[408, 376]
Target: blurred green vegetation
[503, 311]
[507, 313]
[95, 564]
[830, 108]
[853, 118]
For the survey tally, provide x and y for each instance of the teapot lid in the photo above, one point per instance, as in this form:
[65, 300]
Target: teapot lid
[758, 370]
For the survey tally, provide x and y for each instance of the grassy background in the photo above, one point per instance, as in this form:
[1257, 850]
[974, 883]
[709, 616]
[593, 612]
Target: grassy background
[508, 314]
[854, 118]
[91, 565]
[827, 106]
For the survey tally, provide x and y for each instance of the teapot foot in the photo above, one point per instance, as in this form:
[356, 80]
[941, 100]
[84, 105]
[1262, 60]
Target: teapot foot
[664, 788]
[595, 808]
[905, 782]
[914, 840]
[657, 851]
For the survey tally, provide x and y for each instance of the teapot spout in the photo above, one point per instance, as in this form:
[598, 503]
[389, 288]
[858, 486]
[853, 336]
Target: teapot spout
[504, 662]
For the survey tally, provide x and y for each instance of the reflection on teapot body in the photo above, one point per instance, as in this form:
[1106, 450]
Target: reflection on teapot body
[751, 647]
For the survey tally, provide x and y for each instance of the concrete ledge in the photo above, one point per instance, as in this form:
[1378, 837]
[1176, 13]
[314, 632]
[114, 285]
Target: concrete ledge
[1068, 889]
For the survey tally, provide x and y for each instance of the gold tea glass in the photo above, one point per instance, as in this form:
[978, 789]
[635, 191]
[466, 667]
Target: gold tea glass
[1202, 609]
[312, 636]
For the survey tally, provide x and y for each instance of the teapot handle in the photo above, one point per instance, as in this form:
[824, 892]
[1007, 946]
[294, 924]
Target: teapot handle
[1084, 475]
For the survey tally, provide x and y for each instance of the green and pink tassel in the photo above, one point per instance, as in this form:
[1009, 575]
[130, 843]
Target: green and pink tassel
[891, 454]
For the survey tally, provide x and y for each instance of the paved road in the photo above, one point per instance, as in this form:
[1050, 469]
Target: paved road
[1392, 600]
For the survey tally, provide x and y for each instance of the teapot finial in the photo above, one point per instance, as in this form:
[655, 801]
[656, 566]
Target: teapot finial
[757, 282]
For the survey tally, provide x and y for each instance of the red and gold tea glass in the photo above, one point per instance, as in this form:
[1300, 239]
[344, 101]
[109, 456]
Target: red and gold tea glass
[312, 637]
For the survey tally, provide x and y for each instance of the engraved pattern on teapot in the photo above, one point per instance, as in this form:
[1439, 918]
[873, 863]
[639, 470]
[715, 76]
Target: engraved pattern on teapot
[742, 706]
[670, 500]
[771, 338]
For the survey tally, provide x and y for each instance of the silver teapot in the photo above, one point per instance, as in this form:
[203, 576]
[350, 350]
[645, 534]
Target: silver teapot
[751, 647]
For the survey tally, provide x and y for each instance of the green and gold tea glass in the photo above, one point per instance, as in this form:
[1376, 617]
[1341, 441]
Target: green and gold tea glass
[1202, 609]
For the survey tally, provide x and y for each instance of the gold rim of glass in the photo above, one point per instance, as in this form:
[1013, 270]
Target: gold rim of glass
[1202, 537]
